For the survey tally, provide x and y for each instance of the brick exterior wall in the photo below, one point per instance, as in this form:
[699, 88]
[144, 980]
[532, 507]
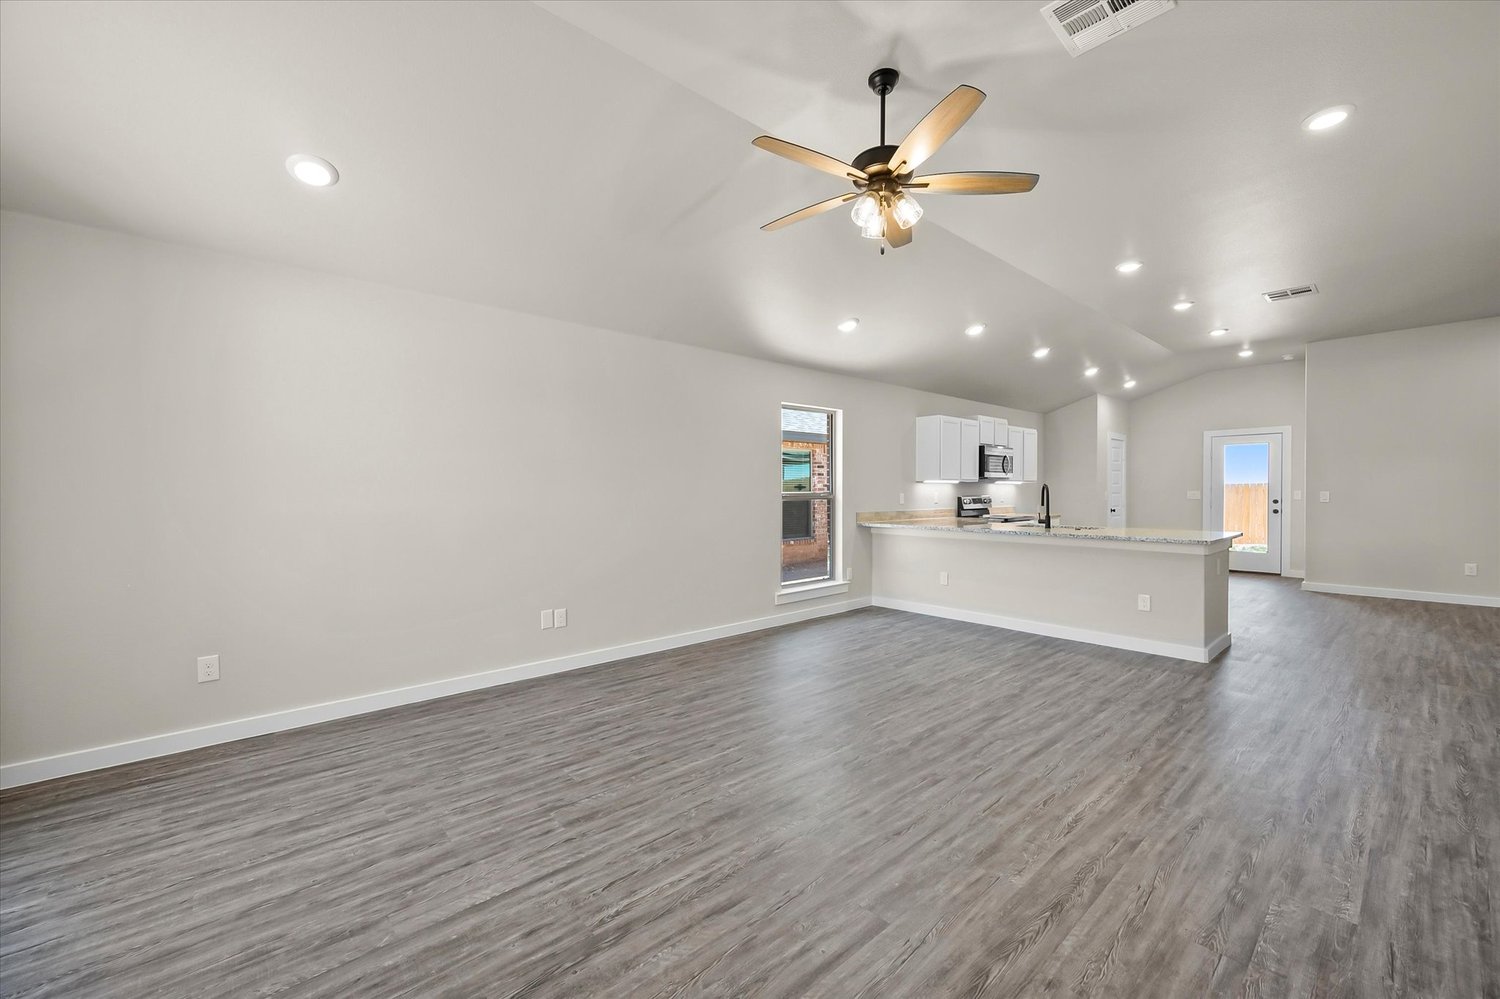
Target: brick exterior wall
[811, 552]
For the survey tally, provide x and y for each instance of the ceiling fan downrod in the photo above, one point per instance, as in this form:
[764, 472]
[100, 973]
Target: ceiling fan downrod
[883, 81]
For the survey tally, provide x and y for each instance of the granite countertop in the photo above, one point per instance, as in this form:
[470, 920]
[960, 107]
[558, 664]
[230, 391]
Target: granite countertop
[902, 520]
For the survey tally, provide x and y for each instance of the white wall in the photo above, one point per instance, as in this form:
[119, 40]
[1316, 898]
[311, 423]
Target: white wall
[1068, 440]
[1076, 445]
[1165, 442]
[1404, 435]
[345, 488]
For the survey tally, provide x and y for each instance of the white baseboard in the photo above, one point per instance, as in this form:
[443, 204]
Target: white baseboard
[1192, 653]
[1472, 599]
[100, 757]
[1294, 574]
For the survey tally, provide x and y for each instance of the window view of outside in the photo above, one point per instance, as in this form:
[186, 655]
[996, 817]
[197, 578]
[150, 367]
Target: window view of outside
[1247, 483]
[806, 494]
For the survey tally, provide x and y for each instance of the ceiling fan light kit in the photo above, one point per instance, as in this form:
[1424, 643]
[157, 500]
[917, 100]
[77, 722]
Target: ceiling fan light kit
[883, 175]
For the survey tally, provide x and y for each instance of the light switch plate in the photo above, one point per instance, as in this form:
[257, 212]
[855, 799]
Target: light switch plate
[1323, 497]
[1195, 494]
[547, 620]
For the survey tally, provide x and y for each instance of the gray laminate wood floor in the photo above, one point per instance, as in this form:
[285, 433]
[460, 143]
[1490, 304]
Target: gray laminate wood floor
[878, 804]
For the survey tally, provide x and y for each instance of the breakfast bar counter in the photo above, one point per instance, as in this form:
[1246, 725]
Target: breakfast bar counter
[1157, 590]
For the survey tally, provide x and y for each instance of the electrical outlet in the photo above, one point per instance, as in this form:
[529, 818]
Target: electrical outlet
[901, 500]
[560, 617]
[1471, 568]
[1195, 494]
[848, 573]
[208, 668]
[1323, 497]
[547, 620]
[942, 579]
[1143, 601]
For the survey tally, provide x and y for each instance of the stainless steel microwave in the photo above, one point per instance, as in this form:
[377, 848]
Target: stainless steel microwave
[996, 461]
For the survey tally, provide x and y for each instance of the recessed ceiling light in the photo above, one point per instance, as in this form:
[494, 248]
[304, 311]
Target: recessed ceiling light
[848, 325]
[1130, 383]
[314, 171]
[1041, 352]
[1288, 357]
[1090, 372]
[1129, 266]
[1327, 118]
[1219, 332]
[1182, 306]
[1247, 352]
[974, 329]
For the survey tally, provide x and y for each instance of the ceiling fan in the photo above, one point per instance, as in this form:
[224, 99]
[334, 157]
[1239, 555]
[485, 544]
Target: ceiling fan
[882, 175]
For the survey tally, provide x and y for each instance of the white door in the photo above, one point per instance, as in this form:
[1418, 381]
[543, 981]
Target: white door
[1115, 488]
[1244, 495]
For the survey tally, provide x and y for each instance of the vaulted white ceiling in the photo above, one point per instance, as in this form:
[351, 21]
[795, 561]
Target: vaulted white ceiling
[592, 162]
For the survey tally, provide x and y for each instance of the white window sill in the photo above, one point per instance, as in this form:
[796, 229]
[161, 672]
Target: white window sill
[826, 588]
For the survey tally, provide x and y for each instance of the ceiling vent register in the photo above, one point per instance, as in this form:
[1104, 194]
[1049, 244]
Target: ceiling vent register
[1282, 294]
[1085, 24]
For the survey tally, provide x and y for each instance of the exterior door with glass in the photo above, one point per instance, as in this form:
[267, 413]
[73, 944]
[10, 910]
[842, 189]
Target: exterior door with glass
[1244, 494]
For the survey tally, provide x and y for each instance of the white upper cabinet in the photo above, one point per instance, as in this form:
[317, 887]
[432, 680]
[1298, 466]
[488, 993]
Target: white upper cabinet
[992, 430]
[940, 448]
[948, 448]
[968, 451]
[1025, 443]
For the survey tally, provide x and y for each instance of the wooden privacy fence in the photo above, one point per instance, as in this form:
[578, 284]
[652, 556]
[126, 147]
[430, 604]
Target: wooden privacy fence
[1245, 510]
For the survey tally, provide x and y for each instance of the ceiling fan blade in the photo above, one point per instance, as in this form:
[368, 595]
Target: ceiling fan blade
[809, 157]
[974, 182]
[935, 129]
[810, 211]
[894, 234]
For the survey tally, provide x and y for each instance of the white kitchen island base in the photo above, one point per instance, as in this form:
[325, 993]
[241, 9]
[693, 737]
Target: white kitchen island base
[1067, 583]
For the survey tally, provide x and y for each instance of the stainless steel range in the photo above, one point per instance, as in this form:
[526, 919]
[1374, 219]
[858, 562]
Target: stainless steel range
[973, 506]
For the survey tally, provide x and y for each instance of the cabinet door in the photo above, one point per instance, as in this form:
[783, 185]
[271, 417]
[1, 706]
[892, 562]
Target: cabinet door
[1017, 441]
[1031, 463]
[987, 430]
[968, 451]
[950, 449]
[929, 433]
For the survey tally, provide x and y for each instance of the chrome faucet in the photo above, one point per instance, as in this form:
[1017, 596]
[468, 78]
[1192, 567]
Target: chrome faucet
[1046, 506]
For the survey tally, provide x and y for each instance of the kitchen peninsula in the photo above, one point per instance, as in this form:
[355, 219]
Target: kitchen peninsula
[1148, 590]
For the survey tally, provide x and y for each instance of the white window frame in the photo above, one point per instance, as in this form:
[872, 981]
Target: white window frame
[787, 593]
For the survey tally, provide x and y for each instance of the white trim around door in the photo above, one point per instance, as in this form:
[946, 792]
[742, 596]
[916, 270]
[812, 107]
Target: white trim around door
[1285, 434]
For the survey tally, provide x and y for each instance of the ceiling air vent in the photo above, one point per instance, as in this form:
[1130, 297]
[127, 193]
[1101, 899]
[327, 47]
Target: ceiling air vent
[1282, 294]
[1087, 24]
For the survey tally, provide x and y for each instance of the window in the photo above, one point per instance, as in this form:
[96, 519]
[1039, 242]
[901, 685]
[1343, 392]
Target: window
[807, 494]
